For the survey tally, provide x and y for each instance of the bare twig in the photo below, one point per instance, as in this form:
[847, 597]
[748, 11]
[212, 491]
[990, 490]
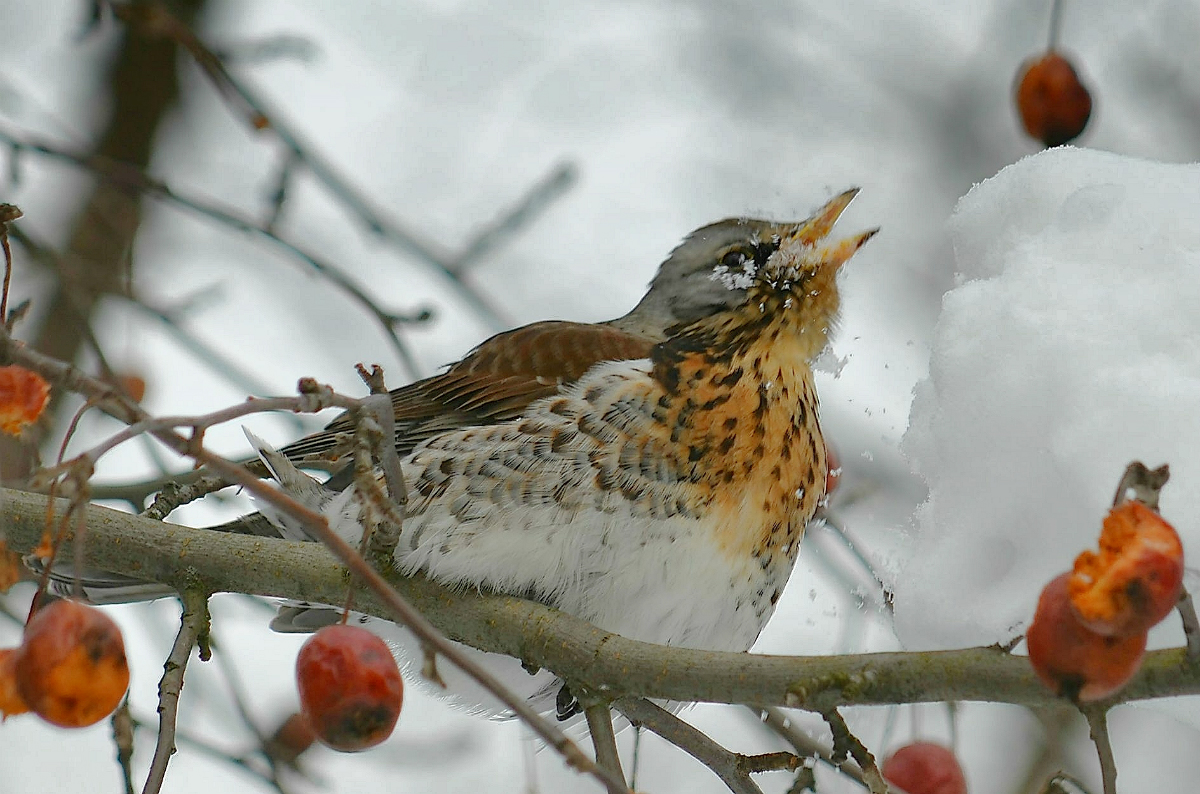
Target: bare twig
[122, 727]
[845, 743]
[832, 523]
[183, 739]
[379, 407]
[1098, 726]
[315, 399]
[172, 495]
[1191, 625]
[192, 623]
[723, 763]
[220, 364]
[1058, 785]
[8, 214]
[1142, 483]
[780, 760]
[777, 720]
[604, 740]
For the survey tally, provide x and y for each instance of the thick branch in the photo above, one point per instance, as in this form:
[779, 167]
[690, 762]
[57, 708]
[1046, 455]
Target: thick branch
[542, 637]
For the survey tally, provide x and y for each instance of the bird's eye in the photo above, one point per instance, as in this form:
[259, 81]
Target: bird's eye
[734, 260]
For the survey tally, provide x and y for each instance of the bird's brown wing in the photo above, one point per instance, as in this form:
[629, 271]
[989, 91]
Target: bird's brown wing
[495, 382]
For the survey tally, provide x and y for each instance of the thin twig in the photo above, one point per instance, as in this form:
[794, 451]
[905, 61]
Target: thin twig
[1055, 24]
[313, 398]
[122, 728]
[8, 214]
[804, 744]
[1191, 625]
[723, 763]
[219, 363]
[184, 739]
[1058, 785]
[1142, 483]
[1098, 726]
[192, 623]
[604, 740]
[846, 743]
[832, 523]
[778, 761]
[171, 494]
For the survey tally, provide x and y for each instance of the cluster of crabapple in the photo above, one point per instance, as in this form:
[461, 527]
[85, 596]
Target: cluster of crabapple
[350, 688]
[69, 669]
[1088, 635]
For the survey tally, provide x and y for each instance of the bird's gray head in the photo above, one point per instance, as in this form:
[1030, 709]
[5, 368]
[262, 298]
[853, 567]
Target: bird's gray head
[689, 286]
[684, 289]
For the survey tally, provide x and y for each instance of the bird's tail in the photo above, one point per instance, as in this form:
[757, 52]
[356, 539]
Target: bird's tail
[105, 587]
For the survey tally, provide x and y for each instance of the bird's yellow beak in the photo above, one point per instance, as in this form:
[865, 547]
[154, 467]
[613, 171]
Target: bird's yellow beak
[821, 223]
[808, 234]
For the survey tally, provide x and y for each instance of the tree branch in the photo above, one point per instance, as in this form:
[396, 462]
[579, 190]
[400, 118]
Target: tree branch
[542, 637]
[192, 625]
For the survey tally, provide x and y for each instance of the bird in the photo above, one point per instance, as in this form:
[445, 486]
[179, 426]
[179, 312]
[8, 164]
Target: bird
[662, 498]
[653, 475]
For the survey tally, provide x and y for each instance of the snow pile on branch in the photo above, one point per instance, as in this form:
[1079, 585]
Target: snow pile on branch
[1070, 347]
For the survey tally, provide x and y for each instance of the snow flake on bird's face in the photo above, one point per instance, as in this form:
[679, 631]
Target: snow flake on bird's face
[733, 278]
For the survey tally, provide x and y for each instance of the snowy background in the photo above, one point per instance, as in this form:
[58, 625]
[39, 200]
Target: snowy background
[1059, 303]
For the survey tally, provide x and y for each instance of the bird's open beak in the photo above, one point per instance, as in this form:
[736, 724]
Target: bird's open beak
[812, 231]
[820, 224]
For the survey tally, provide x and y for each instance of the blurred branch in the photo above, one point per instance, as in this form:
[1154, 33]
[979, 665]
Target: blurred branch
[281, 46]
[539, 196]
[220, 364]
[124, 176]
[154, 19]
[122, 728]
[139, 84]
[216, 753]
